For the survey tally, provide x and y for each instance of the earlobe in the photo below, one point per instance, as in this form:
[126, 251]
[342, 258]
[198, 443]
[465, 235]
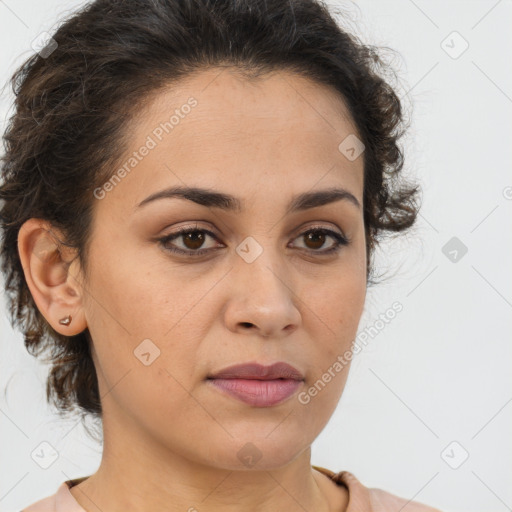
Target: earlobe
[66, 320]
[52, 276]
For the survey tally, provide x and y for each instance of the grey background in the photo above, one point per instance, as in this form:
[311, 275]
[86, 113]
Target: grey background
[439, 372]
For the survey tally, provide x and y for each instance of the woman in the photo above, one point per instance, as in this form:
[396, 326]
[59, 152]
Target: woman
[192, 192]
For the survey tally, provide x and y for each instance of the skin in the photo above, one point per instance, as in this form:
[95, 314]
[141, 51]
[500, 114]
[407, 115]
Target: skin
[170, 439]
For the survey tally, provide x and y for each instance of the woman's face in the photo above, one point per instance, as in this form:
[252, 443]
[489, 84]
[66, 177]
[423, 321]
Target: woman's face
[263, 291]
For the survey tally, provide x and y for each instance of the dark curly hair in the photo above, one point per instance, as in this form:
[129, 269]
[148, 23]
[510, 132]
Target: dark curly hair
[75, 99]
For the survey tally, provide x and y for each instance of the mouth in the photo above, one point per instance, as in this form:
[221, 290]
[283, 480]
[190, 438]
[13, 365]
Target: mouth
[258, 385]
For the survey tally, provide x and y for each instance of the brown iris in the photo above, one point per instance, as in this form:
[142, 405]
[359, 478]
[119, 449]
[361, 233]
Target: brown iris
[316, 237]
[196, 239]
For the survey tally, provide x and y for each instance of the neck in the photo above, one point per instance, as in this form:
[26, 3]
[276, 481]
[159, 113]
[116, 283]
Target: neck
[144, 476]
[192, 488]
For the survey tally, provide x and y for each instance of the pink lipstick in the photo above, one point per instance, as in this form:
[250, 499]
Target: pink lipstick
[258, 385]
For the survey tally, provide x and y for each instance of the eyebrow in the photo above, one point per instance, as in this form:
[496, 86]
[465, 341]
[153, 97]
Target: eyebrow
[227, 202]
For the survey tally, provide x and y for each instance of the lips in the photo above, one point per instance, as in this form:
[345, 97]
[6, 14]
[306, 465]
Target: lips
[258, 385]
[257, 371]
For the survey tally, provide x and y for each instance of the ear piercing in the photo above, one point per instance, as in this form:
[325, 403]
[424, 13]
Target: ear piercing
[66, 320]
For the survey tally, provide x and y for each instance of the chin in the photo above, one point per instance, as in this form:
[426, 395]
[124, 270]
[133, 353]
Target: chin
[256, 453]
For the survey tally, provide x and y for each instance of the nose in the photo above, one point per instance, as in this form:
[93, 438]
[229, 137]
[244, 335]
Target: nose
[262, 298]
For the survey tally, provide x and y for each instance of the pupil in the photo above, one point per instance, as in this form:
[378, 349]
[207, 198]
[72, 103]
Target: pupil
[318, 237]
[196, 244]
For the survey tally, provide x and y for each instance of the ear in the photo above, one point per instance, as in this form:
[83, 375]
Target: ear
[52, 275]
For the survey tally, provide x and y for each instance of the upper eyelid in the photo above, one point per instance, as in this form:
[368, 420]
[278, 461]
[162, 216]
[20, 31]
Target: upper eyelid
[186, 229]
[301, 229]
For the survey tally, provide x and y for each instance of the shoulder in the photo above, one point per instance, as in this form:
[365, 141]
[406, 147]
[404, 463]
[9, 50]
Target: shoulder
[373, 499]
[383, 501]
[43, 505]
[61, 501]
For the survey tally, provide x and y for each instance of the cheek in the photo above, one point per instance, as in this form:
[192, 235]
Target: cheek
[336, 307]
[320, 396]
[136, 298]
[138, 326]
[334, 314]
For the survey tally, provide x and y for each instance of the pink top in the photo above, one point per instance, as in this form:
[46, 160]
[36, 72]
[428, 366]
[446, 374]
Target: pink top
[361, 498]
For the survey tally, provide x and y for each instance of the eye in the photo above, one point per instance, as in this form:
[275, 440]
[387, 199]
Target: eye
[316, 237]
[194, 238]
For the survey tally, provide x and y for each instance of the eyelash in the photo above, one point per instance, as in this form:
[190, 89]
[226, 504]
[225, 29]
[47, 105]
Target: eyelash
[341, 241]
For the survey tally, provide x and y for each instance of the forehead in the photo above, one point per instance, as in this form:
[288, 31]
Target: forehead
[230, 105]
[216, 129]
